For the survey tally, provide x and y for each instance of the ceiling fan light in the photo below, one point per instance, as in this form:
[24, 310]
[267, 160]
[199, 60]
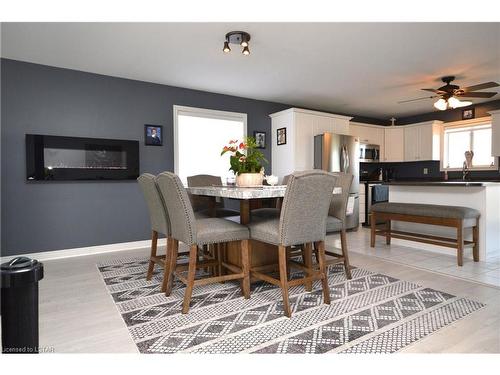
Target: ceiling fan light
[226, 48]
[441, 104]
[246, 51]
[456, 103]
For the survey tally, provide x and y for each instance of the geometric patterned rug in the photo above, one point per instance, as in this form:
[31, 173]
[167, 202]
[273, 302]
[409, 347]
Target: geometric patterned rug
[371, 313]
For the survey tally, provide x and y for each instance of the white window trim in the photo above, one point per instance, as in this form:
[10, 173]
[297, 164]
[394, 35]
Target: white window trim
[464, 124]
[202, 112]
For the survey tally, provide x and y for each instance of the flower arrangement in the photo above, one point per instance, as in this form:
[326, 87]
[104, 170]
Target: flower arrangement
[245, 158]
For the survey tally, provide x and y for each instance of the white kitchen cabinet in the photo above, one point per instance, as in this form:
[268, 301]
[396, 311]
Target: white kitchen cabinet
[301, 127]
[394, 142]
[422, 141]
[370, 134]
[495, 132]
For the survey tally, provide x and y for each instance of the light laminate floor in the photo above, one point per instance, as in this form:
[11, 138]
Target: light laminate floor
[486, 271]
[77, 314]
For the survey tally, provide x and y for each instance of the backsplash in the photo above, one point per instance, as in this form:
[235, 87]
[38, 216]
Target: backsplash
[415, 171]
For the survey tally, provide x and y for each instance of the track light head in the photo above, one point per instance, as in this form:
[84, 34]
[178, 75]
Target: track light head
[237, 37]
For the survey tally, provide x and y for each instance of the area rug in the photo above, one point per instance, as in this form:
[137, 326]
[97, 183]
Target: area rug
[371, 313]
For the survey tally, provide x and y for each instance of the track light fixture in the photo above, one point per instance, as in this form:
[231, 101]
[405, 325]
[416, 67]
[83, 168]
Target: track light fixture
[237, 37]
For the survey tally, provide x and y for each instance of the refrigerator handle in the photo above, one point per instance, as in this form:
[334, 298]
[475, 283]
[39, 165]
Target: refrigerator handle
[345, 159]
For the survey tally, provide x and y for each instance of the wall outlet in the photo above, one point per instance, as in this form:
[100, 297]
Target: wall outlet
[426, 170]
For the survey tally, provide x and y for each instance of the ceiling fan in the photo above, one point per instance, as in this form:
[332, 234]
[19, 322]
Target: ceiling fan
[449, 94]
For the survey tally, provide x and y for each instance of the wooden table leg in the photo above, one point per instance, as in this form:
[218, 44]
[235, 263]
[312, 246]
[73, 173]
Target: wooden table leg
[244, 211]
[212, 206]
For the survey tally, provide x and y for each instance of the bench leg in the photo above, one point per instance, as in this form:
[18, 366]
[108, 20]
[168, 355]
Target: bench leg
[373, 228]
[460, 243]
[475, 238]
[388, 232]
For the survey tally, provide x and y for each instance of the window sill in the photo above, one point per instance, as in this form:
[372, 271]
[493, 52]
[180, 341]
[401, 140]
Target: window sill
[494, 168]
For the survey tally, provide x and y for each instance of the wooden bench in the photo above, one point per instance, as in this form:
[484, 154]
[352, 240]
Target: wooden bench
[448, 216]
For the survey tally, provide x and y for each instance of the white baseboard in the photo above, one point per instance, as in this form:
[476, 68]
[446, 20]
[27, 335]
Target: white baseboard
[90, 250]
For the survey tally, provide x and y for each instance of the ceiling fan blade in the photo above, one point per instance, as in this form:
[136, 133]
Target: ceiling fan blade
[414, 100]
[476, 94]
[481, 86]
[435, 91]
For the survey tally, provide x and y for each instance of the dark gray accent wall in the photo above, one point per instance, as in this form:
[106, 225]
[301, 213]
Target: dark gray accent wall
[46, 100]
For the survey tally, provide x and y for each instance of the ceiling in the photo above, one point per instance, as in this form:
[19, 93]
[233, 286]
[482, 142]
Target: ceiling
[353, 68]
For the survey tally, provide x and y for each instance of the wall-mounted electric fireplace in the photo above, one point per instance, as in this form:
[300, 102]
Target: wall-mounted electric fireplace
[51, 157]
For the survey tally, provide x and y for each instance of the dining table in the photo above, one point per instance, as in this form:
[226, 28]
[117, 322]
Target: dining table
[261, 254]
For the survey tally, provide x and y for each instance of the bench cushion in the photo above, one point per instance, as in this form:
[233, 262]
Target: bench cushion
[433, 210]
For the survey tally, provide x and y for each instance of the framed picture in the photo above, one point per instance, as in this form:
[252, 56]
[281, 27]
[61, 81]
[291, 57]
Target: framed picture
[468, 113]
[260, 139]
[153, 135]
[281, 136]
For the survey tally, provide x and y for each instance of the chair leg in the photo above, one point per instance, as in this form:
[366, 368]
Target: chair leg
[315, 251]
[388, 232]
[245, 265]
[345, 255]
[307, 256]
[190, 278]
[218, 254]
[172, 263]
[166, 264]
[154, 243]
[288, 256]
[475, 238]
[373, 228]
[460, 243]
[284, 280]
[322, 269]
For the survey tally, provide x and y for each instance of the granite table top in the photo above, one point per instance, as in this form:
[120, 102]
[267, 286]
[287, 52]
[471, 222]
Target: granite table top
[234, 192]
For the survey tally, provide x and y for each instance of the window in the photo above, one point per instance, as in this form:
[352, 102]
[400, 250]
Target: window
[200, 135]
[459, 139]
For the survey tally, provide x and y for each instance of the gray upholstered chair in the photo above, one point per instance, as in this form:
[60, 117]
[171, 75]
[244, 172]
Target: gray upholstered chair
[159, 223]
[205, 205]
[335, 222]
[270, 212]
[302, 221]
[198, 232]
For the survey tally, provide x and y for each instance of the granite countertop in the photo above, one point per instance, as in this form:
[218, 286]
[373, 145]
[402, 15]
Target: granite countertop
[257, 192]
[443, 183]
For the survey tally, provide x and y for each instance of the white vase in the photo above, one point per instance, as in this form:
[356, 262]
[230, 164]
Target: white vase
[249, 179]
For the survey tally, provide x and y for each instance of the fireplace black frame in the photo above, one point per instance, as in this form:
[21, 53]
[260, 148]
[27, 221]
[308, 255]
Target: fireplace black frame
[37, 171]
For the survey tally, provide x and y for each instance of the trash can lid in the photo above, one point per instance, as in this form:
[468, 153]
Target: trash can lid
[21, 271]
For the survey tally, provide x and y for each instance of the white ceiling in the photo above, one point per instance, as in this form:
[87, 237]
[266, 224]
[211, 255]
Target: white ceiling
[353, 68]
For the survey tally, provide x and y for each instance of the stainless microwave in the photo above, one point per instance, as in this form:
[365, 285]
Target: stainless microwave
[369, 153]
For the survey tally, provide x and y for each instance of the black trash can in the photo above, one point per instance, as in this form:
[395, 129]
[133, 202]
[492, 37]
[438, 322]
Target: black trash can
[20, 279]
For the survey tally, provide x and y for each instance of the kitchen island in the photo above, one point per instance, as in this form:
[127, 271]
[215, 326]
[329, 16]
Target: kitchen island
[483, 196]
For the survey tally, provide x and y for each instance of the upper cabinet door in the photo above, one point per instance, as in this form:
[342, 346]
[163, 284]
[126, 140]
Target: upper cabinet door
[411, 143]
[368, 134]
[394, 144]
[422, 142]
[425, 142]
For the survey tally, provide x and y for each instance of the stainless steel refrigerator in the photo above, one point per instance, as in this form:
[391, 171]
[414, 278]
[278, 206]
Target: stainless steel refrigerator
[340, 153]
